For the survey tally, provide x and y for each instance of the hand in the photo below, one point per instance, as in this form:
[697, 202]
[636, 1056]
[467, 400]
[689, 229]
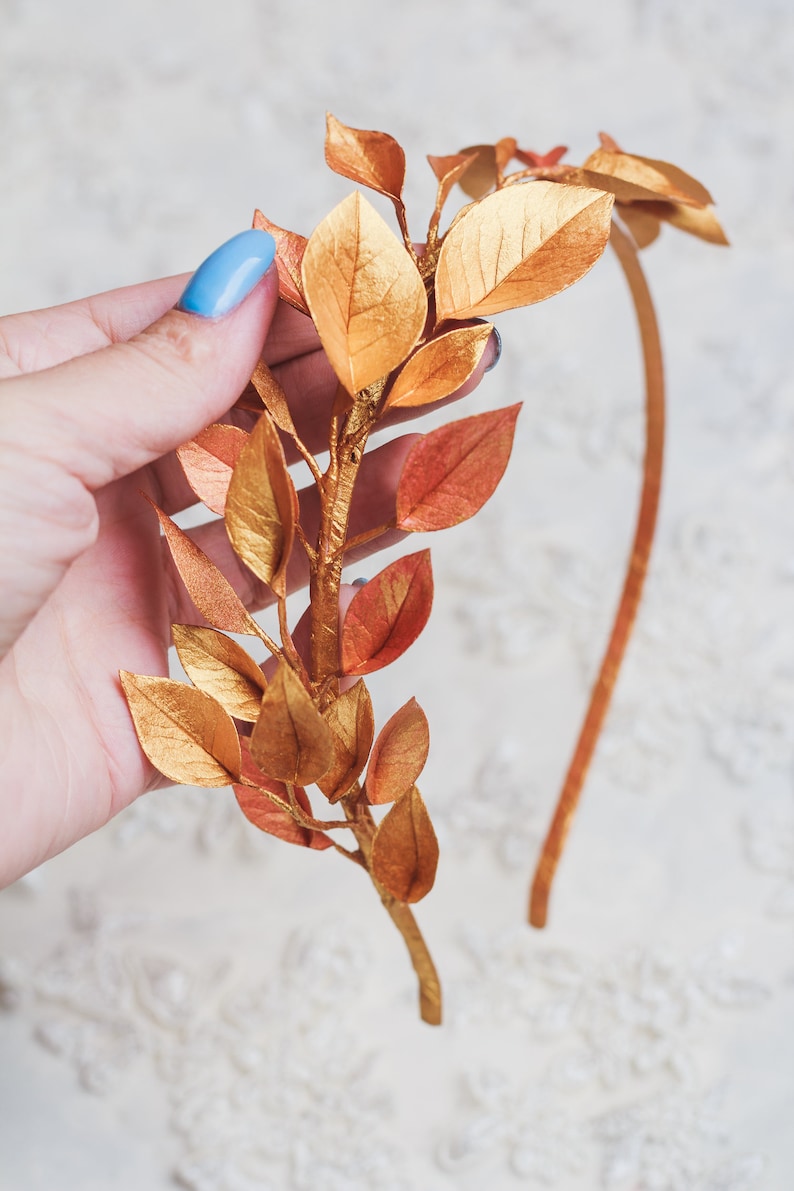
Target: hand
[94, 398]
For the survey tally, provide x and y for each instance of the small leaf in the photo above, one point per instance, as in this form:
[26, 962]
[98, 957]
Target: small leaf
[387, 614]
[539, 160]
[372, 159]
[219, 666]
[439, 367]
[666, 181]
[480, 177]
[290, 248]
[264, 814]
[696, 221]
[273, 398]
[208, 461]
[291, 741]
[405, 850]
[451, 472]
[208, 588]
[398, 755]
[521, 245]
[365, 294]
[262, 506]
[448, 170]
[184, 732]
[643, 226]
[352, 727]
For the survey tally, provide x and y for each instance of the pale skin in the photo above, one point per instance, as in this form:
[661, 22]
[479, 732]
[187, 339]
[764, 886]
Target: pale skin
[95, 396]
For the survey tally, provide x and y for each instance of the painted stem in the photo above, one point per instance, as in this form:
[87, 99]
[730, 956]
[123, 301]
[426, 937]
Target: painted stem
[632, 588]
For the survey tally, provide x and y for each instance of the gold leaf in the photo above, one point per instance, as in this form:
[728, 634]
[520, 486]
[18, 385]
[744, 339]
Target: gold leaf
[262, 506]
[697, 221]
[208, 588]
[352, 726]
[372, 159]
[398, 755]
[666, 181]
[265, 814]
[219, 666]
[439, 367]
[480, 177]
[448, 170]
[643, 226]
[273, 398]
[185, 733]
[365, 294]
[291, 741]
[405, 850]
[520, 245]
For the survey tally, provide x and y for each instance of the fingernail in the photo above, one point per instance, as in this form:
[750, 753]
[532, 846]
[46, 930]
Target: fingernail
[497, 338]
[360, 582]
[227, 276]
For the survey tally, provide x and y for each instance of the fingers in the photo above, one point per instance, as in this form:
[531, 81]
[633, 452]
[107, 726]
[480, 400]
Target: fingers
[373, 505]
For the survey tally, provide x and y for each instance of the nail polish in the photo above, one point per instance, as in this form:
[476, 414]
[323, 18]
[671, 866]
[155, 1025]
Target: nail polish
[227, 277]
[498, 345]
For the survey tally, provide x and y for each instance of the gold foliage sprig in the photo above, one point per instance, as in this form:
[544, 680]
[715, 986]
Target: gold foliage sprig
[396, 323]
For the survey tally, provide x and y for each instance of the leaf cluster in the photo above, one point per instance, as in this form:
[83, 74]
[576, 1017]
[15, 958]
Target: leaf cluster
[402, 327]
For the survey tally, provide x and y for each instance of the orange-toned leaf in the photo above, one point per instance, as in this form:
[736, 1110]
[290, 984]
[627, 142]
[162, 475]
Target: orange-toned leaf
[185, 733]
[398, 755]
[666, 181]
[208, 588]
[696, 221]
[451, 472]
[267, 816]
[208, 461]
[364, 291]
[372, 159]
[289, 254]
[504, 151]
[262, 506]
[405, 850]
[387, 614]
[644, 226]
[518, 246]
[291, 741]
[448, 170]
[480, 177]
[352, 725]
[273, 397]
[539, 160]
[624, 190]
[219, 666]
[439, 367]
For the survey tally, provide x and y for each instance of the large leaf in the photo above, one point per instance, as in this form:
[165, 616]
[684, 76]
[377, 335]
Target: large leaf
[262, 506]
[398, 755]
[451, 472]
[521, 245]
[352, 725]
[208, 588]
[185, 733]
[439, 367]
[666, 181]
[264, 814]
[290, 248]
[291, 741]
[372, 159]
[219, 666]
[387, 614]
[365, 294]
[208, 461]
[405, 850]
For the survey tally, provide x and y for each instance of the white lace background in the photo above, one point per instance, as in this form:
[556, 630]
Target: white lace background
[187, 1003]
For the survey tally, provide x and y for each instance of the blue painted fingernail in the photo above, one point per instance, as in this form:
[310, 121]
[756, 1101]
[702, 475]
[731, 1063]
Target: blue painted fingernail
[360, 582]
[229, 274]
[497, 338]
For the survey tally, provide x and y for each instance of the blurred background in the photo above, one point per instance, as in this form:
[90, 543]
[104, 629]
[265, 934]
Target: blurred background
[189, 1003]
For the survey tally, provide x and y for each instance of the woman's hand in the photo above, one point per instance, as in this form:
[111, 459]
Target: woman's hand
[94, 398]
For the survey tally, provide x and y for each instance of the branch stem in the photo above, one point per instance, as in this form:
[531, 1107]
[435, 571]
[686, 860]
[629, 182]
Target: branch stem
[632, 587]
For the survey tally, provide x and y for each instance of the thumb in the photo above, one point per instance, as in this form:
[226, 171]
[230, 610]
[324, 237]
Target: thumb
[103, 415]
[67, 431]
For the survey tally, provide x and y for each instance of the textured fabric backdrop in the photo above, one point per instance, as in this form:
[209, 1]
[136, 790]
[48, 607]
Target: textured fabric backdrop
[188, 1000]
